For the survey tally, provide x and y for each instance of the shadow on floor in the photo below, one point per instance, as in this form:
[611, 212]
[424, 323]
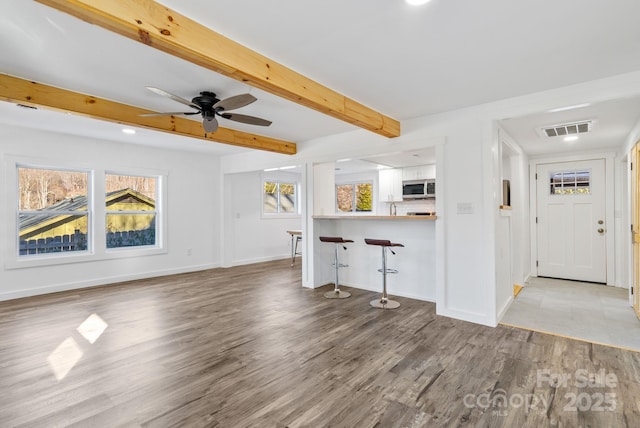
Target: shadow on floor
[590, 312]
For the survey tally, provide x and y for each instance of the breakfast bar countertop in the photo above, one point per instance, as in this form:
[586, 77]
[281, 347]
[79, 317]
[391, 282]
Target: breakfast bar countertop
[375, 217]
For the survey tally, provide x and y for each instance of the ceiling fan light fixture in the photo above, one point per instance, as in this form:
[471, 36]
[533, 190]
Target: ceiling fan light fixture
[209, 106]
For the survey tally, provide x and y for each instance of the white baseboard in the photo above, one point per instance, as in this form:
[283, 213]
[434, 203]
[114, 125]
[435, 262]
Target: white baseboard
[262, 260]
[390, 292]
[474, 317]
[55, 288]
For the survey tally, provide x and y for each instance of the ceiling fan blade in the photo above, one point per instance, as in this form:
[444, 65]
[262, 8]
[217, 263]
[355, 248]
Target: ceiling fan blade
[210, 124]
[173, 113]
[251, 120]
[173, 97]
[235, 102]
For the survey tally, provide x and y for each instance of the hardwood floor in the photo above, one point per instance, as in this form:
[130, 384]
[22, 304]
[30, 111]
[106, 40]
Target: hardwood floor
[249, 347]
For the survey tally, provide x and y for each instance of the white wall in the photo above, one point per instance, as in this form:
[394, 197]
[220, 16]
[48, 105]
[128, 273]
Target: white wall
[324, 189]
[192, 218]
[250, 236]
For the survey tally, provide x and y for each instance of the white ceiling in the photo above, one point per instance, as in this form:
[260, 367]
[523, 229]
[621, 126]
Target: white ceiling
[401, 159]
[403, 61]
[611, 122]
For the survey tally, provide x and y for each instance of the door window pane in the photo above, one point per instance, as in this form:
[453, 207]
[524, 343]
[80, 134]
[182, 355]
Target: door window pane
[570, 183]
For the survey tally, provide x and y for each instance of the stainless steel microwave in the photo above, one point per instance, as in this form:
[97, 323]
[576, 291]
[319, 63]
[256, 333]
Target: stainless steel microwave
[419, 189]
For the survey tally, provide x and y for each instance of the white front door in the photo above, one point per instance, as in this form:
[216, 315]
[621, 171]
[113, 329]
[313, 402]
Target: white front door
[570, 219]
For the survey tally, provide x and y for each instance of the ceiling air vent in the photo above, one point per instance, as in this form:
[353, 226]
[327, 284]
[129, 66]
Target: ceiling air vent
[567, 129]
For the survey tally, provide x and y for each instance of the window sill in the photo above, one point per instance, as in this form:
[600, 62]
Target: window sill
[55, 259]
[279, 216]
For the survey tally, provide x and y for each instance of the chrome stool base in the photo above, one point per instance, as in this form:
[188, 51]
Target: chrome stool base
[339, 242]
[337, 294]
[382, 304]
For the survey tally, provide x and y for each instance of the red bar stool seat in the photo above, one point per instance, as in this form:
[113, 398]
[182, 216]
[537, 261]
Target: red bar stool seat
[339, 242]
[384, 302]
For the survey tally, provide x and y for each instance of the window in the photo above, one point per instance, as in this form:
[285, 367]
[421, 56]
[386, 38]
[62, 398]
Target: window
[279, 197]
[356, 197]
[60, 216]
[570, 183]
[131, 212]
[53, 210]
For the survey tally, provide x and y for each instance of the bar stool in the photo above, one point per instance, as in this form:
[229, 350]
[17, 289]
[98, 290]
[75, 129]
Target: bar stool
[384, 302]
[336, 293]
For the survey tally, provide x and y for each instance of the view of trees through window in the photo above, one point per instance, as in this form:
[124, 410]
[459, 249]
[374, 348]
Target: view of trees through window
[279, 198]
[139, 184]
[354, 197]
[42, 188]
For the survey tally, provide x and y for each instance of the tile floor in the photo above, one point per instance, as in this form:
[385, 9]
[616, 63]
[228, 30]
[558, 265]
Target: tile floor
[590, 312]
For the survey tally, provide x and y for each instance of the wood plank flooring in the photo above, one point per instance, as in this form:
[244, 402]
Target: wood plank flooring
[249, 347]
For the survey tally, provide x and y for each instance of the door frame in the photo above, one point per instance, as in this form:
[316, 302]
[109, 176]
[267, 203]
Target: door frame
[633, 210]
[609, 158]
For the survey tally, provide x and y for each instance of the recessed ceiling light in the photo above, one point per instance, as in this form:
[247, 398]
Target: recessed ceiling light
[417, 2]
[571, 138]
[555, 110]
[128, 131]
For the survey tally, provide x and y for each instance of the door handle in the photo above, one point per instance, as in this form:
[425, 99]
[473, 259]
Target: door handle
[600, 230]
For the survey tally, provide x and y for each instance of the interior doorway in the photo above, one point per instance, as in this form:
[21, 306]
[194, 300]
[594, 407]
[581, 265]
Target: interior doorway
[635, 226]
[571, 220]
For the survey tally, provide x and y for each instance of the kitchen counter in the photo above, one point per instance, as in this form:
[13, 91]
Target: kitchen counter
[375, 217]
[415, 262]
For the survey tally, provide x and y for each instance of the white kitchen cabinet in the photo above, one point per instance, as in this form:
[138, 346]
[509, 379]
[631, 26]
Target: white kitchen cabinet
[421, 172]
[390, 185]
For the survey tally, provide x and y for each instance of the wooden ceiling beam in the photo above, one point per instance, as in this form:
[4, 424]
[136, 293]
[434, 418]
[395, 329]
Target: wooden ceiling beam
[157, 26]
[16, 90]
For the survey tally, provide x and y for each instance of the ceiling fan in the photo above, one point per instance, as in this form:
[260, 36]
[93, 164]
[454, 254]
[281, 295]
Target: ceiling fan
[209, 106]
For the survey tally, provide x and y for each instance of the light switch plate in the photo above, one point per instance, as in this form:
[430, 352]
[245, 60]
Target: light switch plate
[465, 208]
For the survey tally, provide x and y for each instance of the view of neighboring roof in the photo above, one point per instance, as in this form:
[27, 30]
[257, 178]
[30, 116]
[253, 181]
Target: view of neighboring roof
[77, 203]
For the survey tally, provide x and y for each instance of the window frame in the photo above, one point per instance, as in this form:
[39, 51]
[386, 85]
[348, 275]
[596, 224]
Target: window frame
[278, 179]
[88, 212]
[353, 184]
[576, 183]
[155, 211]
[96, 236]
